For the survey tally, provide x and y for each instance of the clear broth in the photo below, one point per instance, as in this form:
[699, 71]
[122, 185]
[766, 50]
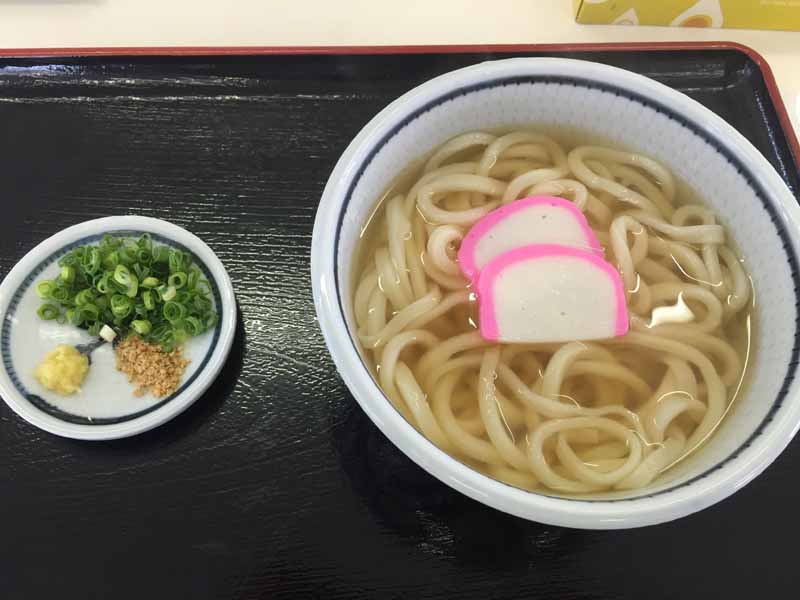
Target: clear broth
[737, 331]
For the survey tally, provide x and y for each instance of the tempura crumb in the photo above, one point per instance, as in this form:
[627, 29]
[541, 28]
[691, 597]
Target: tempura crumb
[149, 367]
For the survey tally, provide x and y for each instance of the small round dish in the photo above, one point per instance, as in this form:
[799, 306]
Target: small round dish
[105, 407]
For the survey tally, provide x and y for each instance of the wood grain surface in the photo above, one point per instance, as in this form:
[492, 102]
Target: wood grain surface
[275, 484]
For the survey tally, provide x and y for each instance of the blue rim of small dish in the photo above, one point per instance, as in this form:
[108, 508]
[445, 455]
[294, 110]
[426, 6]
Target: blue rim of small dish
[39, 402]
[689, 124]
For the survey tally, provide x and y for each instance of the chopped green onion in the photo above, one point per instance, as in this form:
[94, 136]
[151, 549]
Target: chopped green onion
[161, 254]
[177, 280]
[89, 313]
[45, 288]
[175, 261]
[109, 241]
[194, 276]
[166, 293]
[101, 284]
[70, 260]
[67, 274]
[174, 312]
[112, 260]
[178, 261]
[133, 286]
[142, 327]
[48, 312]
[107, 333]
[161, 330]
[59, 294]
[141, 271]
[148, 300]
[144, 256]
[130, 253]
[128, 280]
[91, 261]
[120, 305]
[122, 275]
[84, 296]
[202, 285]
[193, 326]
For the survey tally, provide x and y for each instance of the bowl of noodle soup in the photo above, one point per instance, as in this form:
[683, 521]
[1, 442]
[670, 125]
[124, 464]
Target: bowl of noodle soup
[691, 404]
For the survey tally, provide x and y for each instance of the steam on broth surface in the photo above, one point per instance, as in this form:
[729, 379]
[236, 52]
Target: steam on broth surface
[564, 418]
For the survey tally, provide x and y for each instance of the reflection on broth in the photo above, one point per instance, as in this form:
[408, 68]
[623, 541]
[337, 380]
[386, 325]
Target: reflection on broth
[574, 417]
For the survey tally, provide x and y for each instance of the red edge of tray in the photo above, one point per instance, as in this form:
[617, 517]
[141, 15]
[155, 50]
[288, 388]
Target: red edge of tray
[763, 65]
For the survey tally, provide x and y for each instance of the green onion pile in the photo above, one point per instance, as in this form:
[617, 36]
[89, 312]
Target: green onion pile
[130, 286]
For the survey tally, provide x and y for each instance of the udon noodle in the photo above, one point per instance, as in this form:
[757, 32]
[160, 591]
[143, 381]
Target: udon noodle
[568, 418]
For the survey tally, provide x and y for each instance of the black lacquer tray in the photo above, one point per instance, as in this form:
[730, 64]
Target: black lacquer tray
[275, 484]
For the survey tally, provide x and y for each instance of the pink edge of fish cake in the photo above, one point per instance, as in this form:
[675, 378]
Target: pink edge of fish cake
[488, 304]
[469, 245]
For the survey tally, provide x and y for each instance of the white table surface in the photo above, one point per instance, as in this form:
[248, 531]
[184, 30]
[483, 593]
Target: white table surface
[96, 23]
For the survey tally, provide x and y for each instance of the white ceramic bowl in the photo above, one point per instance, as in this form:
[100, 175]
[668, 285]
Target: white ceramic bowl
[629, 111]
[105, 407]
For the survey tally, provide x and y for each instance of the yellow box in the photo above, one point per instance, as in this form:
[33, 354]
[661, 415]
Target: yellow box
[747, 14]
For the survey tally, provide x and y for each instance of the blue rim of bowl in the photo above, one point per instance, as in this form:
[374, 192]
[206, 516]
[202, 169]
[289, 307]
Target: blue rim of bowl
[39, 402]
[693, 127]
